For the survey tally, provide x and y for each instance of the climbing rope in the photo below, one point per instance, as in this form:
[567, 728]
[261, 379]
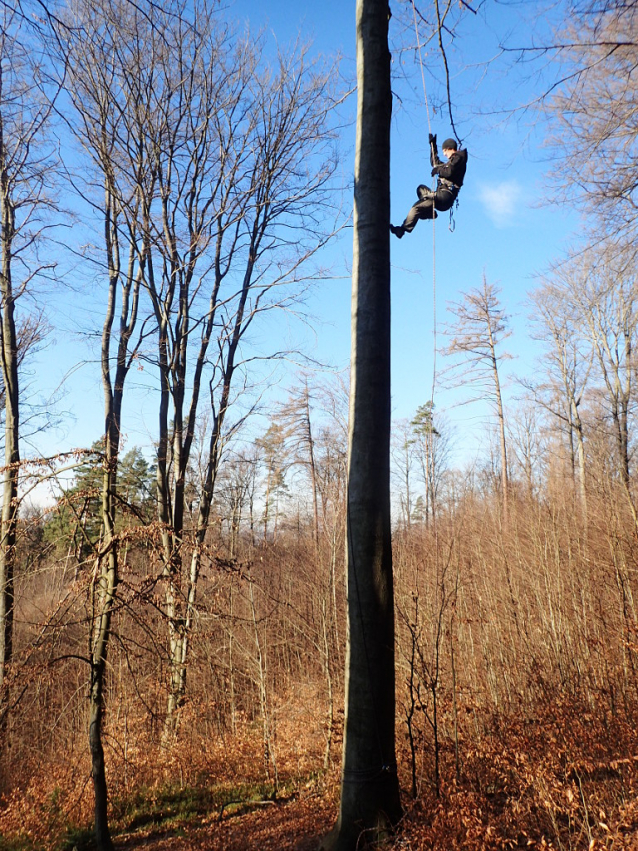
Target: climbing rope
[430, 433]
[427, 111]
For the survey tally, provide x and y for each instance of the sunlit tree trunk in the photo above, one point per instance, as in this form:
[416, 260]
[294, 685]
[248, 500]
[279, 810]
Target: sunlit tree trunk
[105, 580]
[104, 586]
[26, 174]
[369, 787]
[9, 352]
[125, 222]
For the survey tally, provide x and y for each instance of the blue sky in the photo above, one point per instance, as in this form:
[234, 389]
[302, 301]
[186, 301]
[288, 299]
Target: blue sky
[507, 226]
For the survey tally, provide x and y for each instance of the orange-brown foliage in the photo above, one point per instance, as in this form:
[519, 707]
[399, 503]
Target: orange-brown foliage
[517, 687]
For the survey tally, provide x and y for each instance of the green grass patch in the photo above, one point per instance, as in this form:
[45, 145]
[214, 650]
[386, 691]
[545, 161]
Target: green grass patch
[79, 838]
[171, 807]
[15, 844]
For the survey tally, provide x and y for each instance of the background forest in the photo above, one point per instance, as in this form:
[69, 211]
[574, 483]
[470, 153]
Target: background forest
[173, 611]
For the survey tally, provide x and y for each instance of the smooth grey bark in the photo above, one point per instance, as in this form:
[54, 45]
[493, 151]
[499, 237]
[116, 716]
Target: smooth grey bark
[370, 801]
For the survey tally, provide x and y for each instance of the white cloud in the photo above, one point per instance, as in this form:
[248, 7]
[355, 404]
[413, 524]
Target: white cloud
[501, 201]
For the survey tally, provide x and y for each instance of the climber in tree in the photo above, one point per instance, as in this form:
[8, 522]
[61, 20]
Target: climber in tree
[450, 179]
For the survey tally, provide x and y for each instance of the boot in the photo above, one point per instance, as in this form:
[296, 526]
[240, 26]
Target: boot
[397, 230]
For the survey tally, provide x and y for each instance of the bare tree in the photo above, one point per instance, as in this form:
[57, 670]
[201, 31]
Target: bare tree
[528, 446]
[403, 462]
[331, 455]
[481, 325]
[106, 84]
[315, 418]
[274, 457]
[26, 164]
[602, 286]
[295, 415]
[242, 155]
[594, 112]
[432, 450]
[236, 493]
[567, 363]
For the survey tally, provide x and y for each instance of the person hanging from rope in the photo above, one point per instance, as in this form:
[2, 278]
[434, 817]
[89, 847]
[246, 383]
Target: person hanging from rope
[450, 177]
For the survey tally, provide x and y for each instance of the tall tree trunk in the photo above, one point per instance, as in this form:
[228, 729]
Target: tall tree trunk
[9, 353]
[104, 584]
[105, 580]
[103, 592]
[369, 787]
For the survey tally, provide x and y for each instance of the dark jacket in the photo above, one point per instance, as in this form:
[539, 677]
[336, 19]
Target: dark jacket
[451, 173]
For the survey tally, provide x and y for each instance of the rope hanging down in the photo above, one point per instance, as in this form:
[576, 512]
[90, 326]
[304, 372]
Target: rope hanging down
[427, 110]
[431, 431]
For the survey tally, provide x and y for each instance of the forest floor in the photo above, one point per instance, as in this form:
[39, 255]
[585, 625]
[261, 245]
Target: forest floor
[289, 825]
[458, 819]
[299, 823]
[564, 780]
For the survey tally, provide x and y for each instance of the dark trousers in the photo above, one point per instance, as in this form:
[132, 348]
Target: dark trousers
[428, 201]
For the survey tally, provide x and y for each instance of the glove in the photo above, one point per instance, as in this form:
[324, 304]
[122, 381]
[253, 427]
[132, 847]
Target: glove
[432, 138]
[435, 170]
